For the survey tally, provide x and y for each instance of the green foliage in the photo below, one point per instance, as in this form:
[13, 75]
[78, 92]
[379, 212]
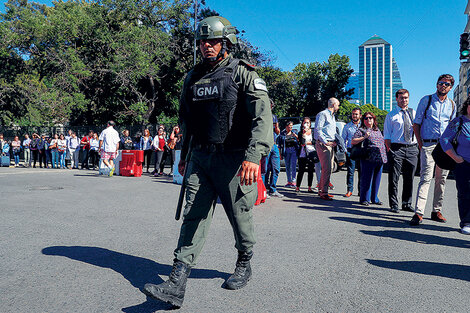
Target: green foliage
[345, 110]
[380, 114]
[317, 82]
[281, 90]
[88, 61]
[346, 107]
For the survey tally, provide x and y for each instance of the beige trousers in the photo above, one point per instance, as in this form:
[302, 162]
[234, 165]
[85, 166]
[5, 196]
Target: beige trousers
[427, 169]
[326, 156]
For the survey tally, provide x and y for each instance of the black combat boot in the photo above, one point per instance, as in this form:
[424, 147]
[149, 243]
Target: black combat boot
[242, 273]
[172, 290]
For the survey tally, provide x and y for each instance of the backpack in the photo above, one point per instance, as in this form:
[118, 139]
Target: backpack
[429, 104]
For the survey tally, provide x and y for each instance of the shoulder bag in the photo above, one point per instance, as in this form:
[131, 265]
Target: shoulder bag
[359, 151]
[442, 159]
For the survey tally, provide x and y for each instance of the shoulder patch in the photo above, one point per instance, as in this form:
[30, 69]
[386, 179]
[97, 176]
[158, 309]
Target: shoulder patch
[260, 84]
[248, 65]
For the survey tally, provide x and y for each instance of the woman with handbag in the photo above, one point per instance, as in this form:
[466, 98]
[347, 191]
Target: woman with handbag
[146, 145]
[289, 145]
[307, 155]
[55, 152]
[16, 148]
[372, 163]
[455, 141]
[62, 150]
[159, 143]
[33, 145]
[94, 150]
[170, 148]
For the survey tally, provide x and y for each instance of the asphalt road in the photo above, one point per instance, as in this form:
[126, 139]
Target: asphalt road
[72, 241]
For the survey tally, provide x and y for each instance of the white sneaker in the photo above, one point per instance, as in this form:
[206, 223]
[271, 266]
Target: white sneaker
[465, 230]
[276, 194]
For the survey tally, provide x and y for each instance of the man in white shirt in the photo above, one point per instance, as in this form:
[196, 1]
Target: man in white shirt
[109, 145]
[402, 151]
[74, 150]
[325, 130]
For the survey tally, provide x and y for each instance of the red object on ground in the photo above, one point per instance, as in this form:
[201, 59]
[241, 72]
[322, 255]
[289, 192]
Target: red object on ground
[262, 194]
[131, 163]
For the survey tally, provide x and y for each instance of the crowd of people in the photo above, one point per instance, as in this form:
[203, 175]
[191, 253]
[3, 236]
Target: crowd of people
[61, 151]
[406, 133]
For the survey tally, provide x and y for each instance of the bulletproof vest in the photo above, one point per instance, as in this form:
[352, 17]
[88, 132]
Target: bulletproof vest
[217, 114]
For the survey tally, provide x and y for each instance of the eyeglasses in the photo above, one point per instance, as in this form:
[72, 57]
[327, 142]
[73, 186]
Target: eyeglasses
[368, 118]
[444, 84]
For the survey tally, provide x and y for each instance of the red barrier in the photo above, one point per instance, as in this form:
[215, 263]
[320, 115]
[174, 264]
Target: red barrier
[131, 163]
[262, 194]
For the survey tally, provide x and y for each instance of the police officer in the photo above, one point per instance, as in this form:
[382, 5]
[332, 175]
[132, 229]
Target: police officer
[226, 120]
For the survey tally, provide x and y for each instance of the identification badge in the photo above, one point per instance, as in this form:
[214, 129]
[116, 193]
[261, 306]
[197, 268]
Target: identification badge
[207, 91]
[260, 84]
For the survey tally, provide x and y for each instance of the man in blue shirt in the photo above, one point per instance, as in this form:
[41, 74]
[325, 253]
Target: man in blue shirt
[271, 165]
[402, 151]
[432, 116]
[348, 132]
[325, 131]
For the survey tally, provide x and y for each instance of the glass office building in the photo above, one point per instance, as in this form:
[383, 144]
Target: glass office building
[353, 83]
[396, 81]
[379, 77]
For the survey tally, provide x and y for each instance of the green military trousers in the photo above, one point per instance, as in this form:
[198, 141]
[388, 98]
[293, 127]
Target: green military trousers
[210, 175]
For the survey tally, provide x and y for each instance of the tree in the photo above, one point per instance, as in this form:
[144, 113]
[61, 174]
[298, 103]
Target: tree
[281, 90]
[91, 61]
[120, 59]
[317, 82]
[346, 107]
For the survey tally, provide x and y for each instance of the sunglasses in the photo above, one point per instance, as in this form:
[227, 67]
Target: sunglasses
[444, 84]
[368, 118]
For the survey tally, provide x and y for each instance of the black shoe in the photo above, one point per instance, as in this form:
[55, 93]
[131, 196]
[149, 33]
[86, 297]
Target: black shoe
[378, 203]
[407, 207]
[395, 209]
[172, 290]
[364, 203]
[242, 273]
[416, 220]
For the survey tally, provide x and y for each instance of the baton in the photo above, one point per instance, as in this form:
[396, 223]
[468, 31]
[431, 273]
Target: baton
[183, 184]
[181, 197]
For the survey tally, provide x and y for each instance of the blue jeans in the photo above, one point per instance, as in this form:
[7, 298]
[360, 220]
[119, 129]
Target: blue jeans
[291, 163]
[16, 157]
[352, 165]
[48, 157]
[55, 158]
[272, 167]
[462, 180]
[62, 159]
[371, 173]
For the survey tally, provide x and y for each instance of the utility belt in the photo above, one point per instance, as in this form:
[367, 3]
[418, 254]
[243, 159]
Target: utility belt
[431, 140]
[216, 148]
[404, 145]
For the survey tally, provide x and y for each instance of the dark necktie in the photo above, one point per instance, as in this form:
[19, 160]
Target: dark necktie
[406, 126]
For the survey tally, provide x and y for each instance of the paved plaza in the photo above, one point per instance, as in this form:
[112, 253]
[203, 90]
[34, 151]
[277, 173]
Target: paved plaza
[73, 241]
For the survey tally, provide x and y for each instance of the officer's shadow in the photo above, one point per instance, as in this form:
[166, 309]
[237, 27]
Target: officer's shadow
[137, 270]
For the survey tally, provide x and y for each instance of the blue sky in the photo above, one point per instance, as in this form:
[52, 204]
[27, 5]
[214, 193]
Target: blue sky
[424, 33]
